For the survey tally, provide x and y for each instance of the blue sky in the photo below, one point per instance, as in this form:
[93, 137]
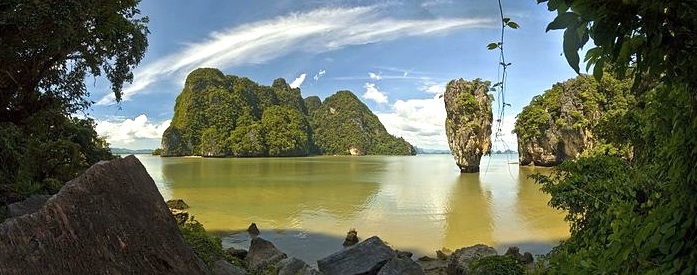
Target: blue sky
[396, 56]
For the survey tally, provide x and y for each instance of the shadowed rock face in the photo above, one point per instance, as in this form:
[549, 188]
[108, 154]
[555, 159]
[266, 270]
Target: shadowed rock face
[468, 122]
[111, 219]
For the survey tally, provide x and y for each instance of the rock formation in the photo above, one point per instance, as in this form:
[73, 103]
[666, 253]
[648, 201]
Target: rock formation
[560, 124]
[228, 116]
[111, 219]
[468, 122]
[459, 261]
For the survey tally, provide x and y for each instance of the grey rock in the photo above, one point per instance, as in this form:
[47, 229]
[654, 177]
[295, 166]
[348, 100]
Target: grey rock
[398, 266]
[351, 238]
[468, 122]
[443, 253]
[527, 258]
[178, 204]
[366, 257]
[253, 230]
[223, 267]
[404, 254]
[295, 266]
[460, 259]
[109, 220]
[30, 205]
[262, 254]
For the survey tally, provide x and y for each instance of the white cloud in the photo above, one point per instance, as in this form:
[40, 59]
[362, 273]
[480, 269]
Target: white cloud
[319, 74]
[375, 76]
[506, 139]
[373, 93]
[432, 87]
[298, 81]
[316, 31]
[420, 121]
[125, 132]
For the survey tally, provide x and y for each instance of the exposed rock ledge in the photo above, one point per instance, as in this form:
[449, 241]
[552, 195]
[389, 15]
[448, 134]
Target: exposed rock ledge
[109, 220]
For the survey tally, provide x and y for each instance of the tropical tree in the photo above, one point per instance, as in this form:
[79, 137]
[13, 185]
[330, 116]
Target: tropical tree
[47, 49]
[639, 215]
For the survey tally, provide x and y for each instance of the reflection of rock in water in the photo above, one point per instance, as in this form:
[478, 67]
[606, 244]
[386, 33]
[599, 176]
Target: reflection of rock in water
[468, 222]
[543, 223]
[228, 194]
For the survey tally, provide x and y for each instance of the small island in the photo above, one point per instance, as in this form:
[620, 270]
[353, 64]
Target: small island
[220, 115]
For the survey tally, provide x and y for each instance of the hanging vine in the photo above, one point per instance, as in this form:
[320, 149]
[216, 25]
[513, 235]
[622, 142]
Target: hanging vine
[500, 86]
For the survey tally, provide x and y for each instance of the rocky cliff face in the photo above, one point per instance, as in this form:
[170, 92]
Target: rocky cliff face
[560, 124]
[468, 122]
[109, 220]
[228, 116]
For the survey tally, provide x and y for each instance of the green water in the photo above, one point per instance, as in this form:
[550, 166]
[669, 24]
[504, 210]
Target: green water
[419, 204]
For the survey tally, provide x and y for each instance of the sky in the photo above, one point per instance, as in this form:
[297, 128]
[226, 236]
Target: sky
[396, 55]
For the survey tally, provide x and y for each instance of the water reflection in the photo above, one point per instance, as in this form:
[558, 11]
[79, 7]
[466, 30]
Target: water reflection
[420, 204]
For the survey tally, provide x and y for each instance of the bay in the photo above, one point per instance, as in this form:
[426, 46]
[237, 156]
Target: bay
[419, 204]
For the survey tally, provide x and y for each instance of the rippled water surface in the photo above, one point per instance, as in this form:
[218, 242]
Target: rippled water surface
[419, 204]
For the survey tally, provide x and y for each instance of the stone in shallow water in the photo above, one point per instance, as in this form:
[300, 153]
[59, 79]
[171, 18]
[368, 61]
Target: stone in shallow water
[262, 254]
[366, 257]
[111, 219]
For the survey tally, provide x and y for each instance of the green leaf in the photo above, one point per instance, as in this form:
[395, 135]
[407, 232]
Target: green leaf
[571, 46]
[506, 20]
[598, 70]
[492, 46]
[512, 25]
[564, 21]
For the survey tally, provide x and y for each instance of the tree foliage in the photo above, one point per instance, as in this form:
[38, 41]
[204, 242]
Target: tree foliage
[638, 216]
[47, 49]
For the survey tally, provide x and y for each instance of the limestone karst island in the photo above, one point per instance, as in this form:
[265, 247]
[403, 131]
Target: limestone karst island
[348, 137]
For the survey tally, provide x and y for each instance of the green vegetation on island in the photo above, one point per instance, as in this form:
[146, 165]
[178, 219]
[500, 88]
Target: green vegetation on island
[575, 118]
[230, 116]
[638, 215]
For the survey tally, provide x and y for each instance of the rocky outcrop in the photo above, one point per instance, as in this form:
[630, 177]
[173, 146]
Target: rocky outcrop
[30, 205]
[109, 220]
[401, 266]
[351, 237]
[262, 254]
[295, 266]
[223, 267]
[560, 124]
[459, 261]
[219, 115]
[178, 204]
[367, 257]
[468, 122]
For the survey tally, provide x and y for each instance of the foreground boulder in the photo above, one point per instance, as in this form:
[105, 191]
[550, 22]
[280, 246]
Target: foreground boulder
[367, 257]
[262, 254]
[109, 220]
[459, 262]
[30, 205]
[401, 266]
[468, 122]
[295, 266]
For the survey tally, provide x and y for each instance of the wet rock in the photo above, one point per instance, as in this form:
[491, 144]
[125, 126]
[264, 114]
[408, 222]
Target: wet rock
[178, 204]
[109, 220]
[30, 205]
[223, 267]
[459, 262]
[253, 230]
[468, 122]
[366, 257]
[401, 266]
[351, 238]
[404, 254]
[180, 216]
[295, 266]
[443, 253]
[262, 254]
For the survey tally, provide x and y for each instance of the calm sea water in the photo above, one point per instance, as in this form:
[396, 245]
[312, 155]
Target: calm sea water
[420, 204]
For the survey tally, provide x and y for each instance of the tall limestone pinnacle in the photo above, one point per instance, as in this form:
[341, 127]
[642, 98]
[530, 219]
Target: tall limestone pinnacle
[468, 122]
